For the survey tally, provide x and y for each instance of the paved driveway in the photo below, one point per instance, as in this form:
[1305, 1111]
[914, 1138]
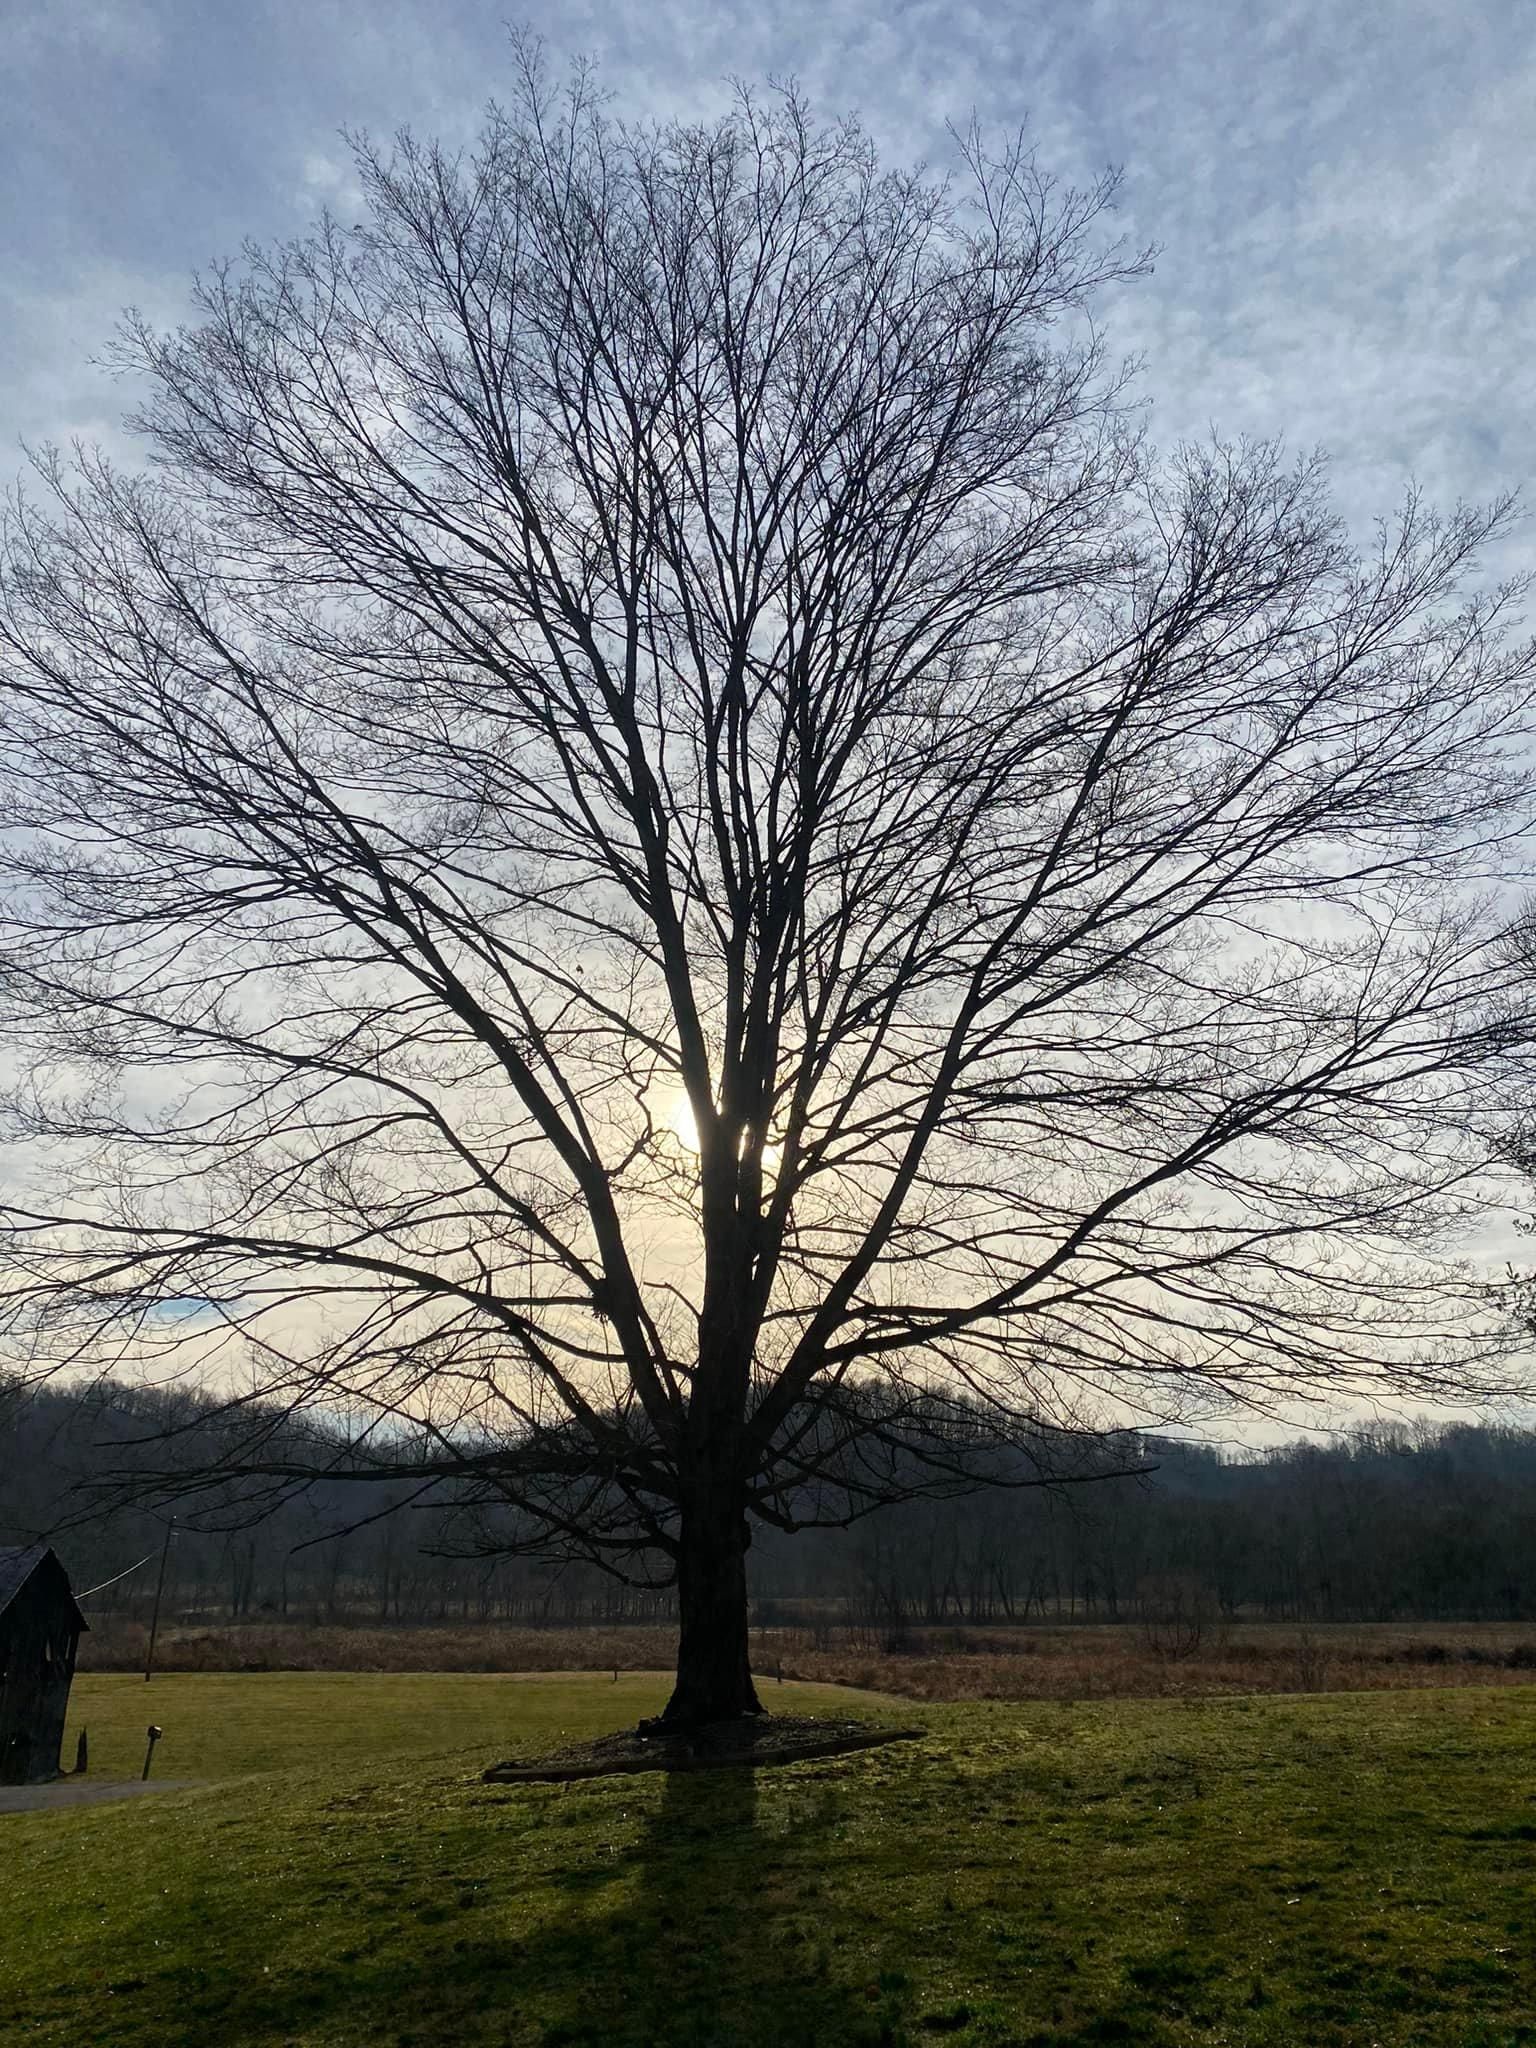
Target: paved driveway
[82, 1792]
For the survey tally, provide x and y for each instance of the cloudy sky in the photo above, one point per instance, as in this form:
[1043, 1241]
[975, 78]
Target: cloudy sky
[1344, 195]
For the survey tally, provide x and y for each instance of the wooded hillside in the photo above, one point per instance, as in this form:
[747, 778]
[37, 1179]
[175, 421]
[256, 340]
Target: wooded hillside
[1387, 1524]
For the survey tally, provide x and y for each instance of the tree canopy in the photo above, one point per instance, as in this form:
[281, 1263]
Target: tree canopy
[654, 848]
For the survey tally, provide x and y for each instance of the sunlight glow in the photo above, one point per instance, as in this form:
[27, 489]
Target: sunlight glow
[680, 1121]
[682, 1124]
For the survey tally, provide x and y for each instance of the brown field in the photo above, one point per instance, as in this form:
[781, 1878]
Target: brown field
[301, 1646]
[1127, 1661]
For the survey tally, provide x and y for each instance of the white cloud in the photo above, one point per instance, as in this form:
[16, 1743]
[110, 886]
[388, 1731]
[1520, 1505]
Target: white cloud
[1345, 197]
[327, 180]
[54, 31]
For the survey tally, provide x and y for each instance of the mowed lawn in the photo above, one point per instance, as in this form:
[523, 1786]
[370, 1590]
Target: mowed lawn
[1356, 1869]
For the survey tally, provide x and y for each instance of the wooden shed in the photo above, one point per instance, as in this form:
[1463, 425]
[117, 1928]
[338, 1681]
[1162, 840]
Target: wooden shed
[40, 1625]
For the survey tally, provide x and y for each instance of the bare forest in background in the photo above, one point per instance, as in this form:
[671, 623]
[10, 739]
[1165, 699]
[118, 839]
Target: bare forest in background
[657, 866]
[1214, 1572]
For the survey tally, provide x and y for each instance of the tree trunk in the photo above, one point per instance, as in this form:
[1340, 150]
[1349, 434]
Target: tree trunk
[714, 1673]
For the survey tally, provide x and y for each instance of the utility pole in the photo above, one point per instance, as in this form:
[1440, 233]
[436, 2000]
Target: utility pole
[154, 1623]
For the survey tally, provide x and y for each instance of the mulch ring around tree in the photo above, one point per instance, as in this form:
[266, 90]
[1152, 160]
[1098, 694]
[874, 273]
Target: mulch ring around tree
[753, 1741]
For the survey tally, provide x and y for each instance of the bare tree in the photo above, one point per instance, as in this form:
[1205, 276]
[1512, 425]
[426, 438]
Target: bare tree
[653, 862]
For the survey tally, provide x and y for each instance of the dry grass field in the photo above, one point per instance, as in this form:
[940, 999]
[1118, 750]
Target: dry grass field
[1128, 1662]
[1051, 1663]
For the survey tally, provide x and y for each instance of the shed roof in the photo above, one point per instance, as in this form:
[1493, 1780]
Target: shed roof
[18, 1564]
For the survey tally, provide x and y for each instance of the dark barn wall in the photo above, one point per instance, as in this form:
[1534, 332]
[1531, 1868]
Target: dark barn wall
[38, 1636]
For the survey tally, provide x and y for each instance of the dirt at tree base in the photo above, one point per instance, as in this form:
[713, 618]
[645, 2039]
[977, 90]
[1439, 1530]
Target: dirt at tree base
[753, 1741]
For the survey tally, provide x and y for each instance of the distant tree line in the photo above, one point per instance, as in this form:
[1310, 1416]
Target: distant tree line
[1391, 1523]
[1408, 1523]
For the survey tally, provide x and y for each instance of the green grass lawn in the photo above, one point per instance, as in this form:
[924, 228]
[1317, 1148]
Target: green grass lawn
[1358, 1869]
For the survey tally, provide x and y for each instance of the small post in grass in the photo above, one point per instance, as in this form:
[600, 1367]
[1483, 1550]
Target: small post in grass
[154, 1734]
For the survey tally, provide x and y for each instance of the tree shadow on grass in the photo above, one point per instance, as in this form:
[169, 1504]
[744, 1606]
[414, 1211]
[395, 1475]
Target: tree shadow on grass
[703, 1929]
[716, 1943]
